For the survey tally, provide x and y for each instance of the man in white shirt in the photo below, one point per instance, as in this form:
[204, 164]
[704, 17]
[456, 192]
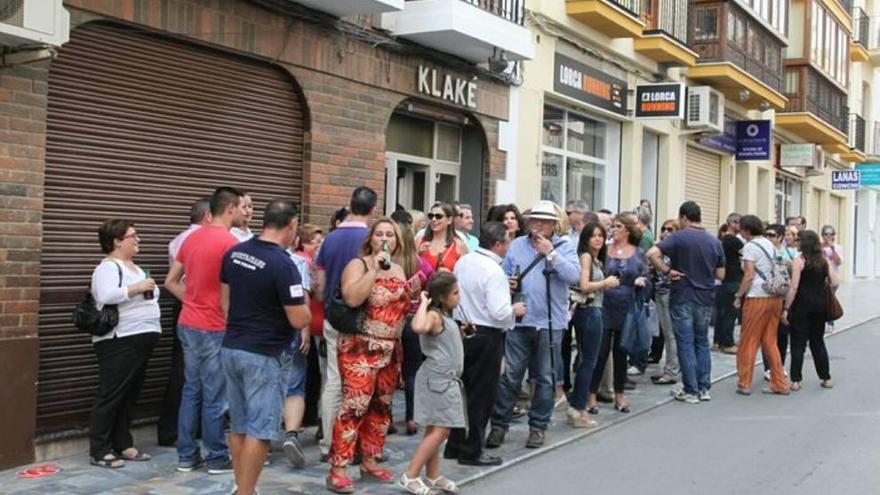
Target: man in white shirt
[199, 214]
[243, 232]
[485, 302]
[464, 223]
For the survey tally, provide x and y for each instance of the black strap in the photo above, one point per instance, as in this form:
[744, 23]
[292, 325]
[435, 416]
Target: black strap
[764, 277]
[535, 261]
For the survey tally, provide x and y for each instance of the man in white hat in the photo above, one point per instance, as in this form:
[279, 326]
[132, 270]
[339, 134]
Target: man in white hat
[534, 258]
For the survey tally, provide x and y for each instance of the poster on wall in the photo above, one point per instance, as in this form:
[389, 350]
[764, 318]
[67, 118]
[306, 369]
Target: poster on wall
[753, 140]
[869, 174]
[660, 101]
[844, 180]
[797, 155]
[589, 85]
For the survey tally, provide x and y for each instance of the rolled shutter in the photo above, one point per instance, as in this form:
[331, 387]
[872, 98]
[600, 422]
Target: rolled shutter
[703, 184]
[139, 127]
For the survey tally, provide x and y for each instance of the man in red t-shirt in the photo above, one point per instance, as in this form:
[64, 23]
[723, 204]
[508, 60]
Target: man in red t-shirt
[200, 328]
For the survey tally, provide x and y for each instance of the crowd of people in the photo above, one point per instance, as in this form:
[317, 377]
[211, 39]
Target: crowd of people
[534, 315]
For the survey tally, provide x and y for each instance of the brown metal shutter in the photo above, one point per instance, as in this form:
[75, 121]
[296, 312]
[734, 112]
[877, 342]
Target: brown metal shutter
[703, 183]
[140, 126]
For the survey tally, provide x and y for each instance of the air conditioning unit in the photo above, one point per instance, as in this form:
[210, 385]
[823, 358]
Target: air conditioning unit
[705, 109]
[818, 167]
[33, 22]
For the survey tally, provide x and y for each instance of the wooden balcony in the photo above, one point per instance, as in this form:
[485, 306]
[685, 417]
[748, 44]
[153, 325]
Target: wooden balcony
[747, 69]
[615, 19]
[817, 108]
[665, 36]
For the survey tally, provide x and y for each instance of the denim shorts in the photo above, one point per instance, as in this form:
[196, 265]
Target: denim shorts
[255, 387]
[298, 370]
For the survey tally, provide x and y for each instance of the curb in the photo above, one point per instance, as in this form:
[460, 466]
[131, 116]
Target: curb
[629, 417]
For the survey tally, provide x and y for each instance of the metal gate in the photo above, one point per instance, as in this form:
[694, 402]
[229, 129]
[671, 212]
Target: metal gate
[703, 184]
[140, 126]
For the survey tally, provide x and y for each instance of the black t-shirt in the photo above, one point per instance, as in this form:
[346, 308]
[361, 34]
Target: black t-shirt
[262, 280]
[733, 246]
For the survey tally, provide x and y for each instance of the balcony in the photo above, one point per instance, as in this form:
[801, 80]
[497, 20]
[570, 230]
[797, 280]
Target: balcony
[474, 30]
[665, 36]
[342, 8]
[615, 19]
[747, 69]
[856, 142]
[816, 110]
[858, 50]
[874, 147]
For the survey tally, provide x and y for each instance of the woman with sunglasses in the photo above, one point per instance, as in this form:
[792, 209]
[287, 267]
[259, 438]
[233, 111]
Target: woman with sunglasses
[124, 352]
[440, 247]
[831, 250]
[666, 340]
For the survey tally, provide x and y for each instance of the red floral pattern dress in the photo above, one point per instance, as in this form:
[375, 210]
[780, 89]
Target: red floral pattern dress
[369, 365]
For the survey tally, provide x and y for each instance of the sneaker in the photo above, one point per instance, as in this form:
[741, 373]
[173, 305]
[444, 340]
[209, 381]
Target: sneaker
[795, 386]
[767, 376]
[704, 396]
[826, 383]
[187, 466]
[769, 391]
[686, 397]
[729, 350]
[496, 437]
[634, 371]
[561, 403]
[536, 439]
[743, 391]
[221, 467]
[293, 450]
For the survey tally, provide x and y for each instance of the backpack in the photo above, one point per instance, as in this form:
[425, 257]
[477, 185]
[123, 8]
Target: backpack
[779, 280]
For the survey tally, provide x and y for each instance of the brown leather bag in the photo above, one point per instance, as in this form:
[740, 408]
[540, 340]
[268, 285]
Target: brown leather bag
[833, 309]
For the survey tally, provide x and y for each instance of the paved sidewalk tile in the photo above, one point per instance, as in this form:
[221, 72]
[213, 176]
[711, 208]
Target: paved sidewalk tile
[159, 476]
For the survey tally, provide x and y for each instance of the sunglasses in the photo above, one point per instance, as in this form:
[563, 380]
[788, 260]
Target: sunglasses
[616, 226]
[438, 216]
[770, 234]
[826, 234]
[667, 229]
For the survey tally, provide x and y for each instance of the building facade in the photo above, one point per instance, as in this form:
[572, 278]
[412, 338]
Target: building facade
[151, 104]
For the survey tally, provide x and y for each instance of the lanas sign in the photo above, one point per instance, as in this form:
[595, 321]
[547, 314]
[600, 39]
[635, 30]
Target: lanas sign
[452, 89]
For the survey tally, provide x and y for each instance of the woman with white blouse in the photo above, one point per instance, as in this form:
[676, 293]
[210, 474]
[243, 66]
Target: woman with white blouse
[122, 353]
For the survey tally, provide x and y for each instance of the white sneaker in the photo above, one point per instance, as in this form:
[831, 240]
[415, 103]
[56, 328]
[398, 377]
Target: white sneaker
[687, 398]
[561, 404]
[634, 371]
[704, 396]
[767, 376]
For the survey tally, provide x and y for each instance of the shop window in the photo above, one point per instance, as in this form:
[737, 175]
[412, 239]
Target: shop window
[585, 136]
[706, 25]
[554, 123]
[410, 136]
[448, 143]
[787, 196]
[584, 180]
[552, 167]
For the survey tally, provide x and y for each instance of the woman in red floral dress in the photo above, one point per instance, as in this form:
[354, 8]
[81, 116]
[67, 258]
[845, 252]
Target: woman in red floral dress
[369, 362]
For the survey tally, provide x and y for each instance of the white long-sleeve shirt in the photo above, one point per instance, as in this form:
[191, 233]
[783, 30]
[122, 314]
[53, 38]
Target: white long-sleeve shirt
[136, 315]
[484, 291]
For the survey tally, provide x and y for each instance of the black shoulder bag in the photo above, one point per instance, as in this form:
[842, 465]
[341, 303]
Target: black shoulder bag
[342, 317]
[88, 319]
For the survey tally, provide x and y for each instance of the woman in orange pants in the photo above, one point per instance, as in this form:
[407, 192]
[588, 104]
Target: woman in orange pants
[761, 311]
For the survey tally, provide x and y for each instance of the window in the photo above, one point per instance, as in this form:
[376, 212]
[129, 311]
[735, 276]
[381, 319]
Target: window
[774, 12]
[792, 82]
[706, 27]
[787, 198]
[574, 159]
[829, 45]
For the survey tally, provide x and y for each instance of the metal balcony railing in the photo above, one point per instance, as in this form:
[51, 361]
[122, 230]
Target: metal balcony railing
[666, 16]
[809, 91]
[856, 132]
[512, 10]
[861, 27]
[846, 4]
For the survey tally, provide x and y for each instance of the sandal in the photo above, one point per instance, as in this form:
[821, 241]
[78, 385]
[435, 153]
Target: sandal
[624, 408]
[339, 483]
[376, 473]
[138, 457]
[593, 410]
[414, 485]
[109, 461]
[663, 380]
[442, 483]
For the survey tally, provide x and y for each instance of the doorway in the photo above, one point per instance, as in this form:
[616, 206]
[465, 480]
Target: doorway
[419, 183]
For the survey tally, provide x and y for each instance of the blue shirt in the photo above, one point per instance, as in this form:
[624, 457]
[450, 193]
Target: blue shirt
[339, 247]
[533, 286]
[262, 280]
[696, 253]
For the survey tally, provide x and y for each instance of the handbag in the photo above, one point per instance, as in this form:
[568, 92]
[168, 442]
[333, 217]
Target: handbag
[342, 317]
[635, 335]
[87, 318]
[833, 309]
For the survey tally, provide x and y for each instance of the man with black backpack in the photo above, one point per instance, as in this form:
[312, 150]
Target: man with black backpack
[543, 265]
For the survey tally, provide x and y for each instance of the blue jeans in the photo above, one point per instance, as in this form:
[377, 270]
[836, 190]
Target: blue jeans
[691, 323]
[255, 386]
[297, 369]
[527, 348]
[204, 396]
[588, 333]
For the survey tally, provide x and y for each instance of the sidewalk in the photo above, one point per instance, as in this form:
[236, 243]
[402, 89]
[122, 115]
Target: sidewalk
[159, 476]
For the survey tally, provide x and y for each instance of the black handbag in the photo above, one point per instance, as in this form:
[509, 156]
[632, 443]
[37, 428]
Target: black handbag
[88, 319]
[342, 317]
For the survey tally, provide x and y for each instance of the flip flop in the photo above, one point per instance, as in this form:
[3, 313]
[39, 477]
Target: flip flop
[109, 461]
[139, 457]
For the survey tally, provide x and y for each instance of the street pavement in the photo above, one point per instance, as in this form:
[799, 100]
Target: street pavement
[655, 447]
[815, 441]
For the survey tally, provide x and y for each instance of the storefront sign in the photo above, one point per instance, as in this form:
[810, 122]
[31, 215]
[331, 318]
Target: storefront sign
[797, 155]
[444, 86]
[589, 85]
[869, 174]
[660, 101]
[725, 142]
[844, 180]
[753, 140]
